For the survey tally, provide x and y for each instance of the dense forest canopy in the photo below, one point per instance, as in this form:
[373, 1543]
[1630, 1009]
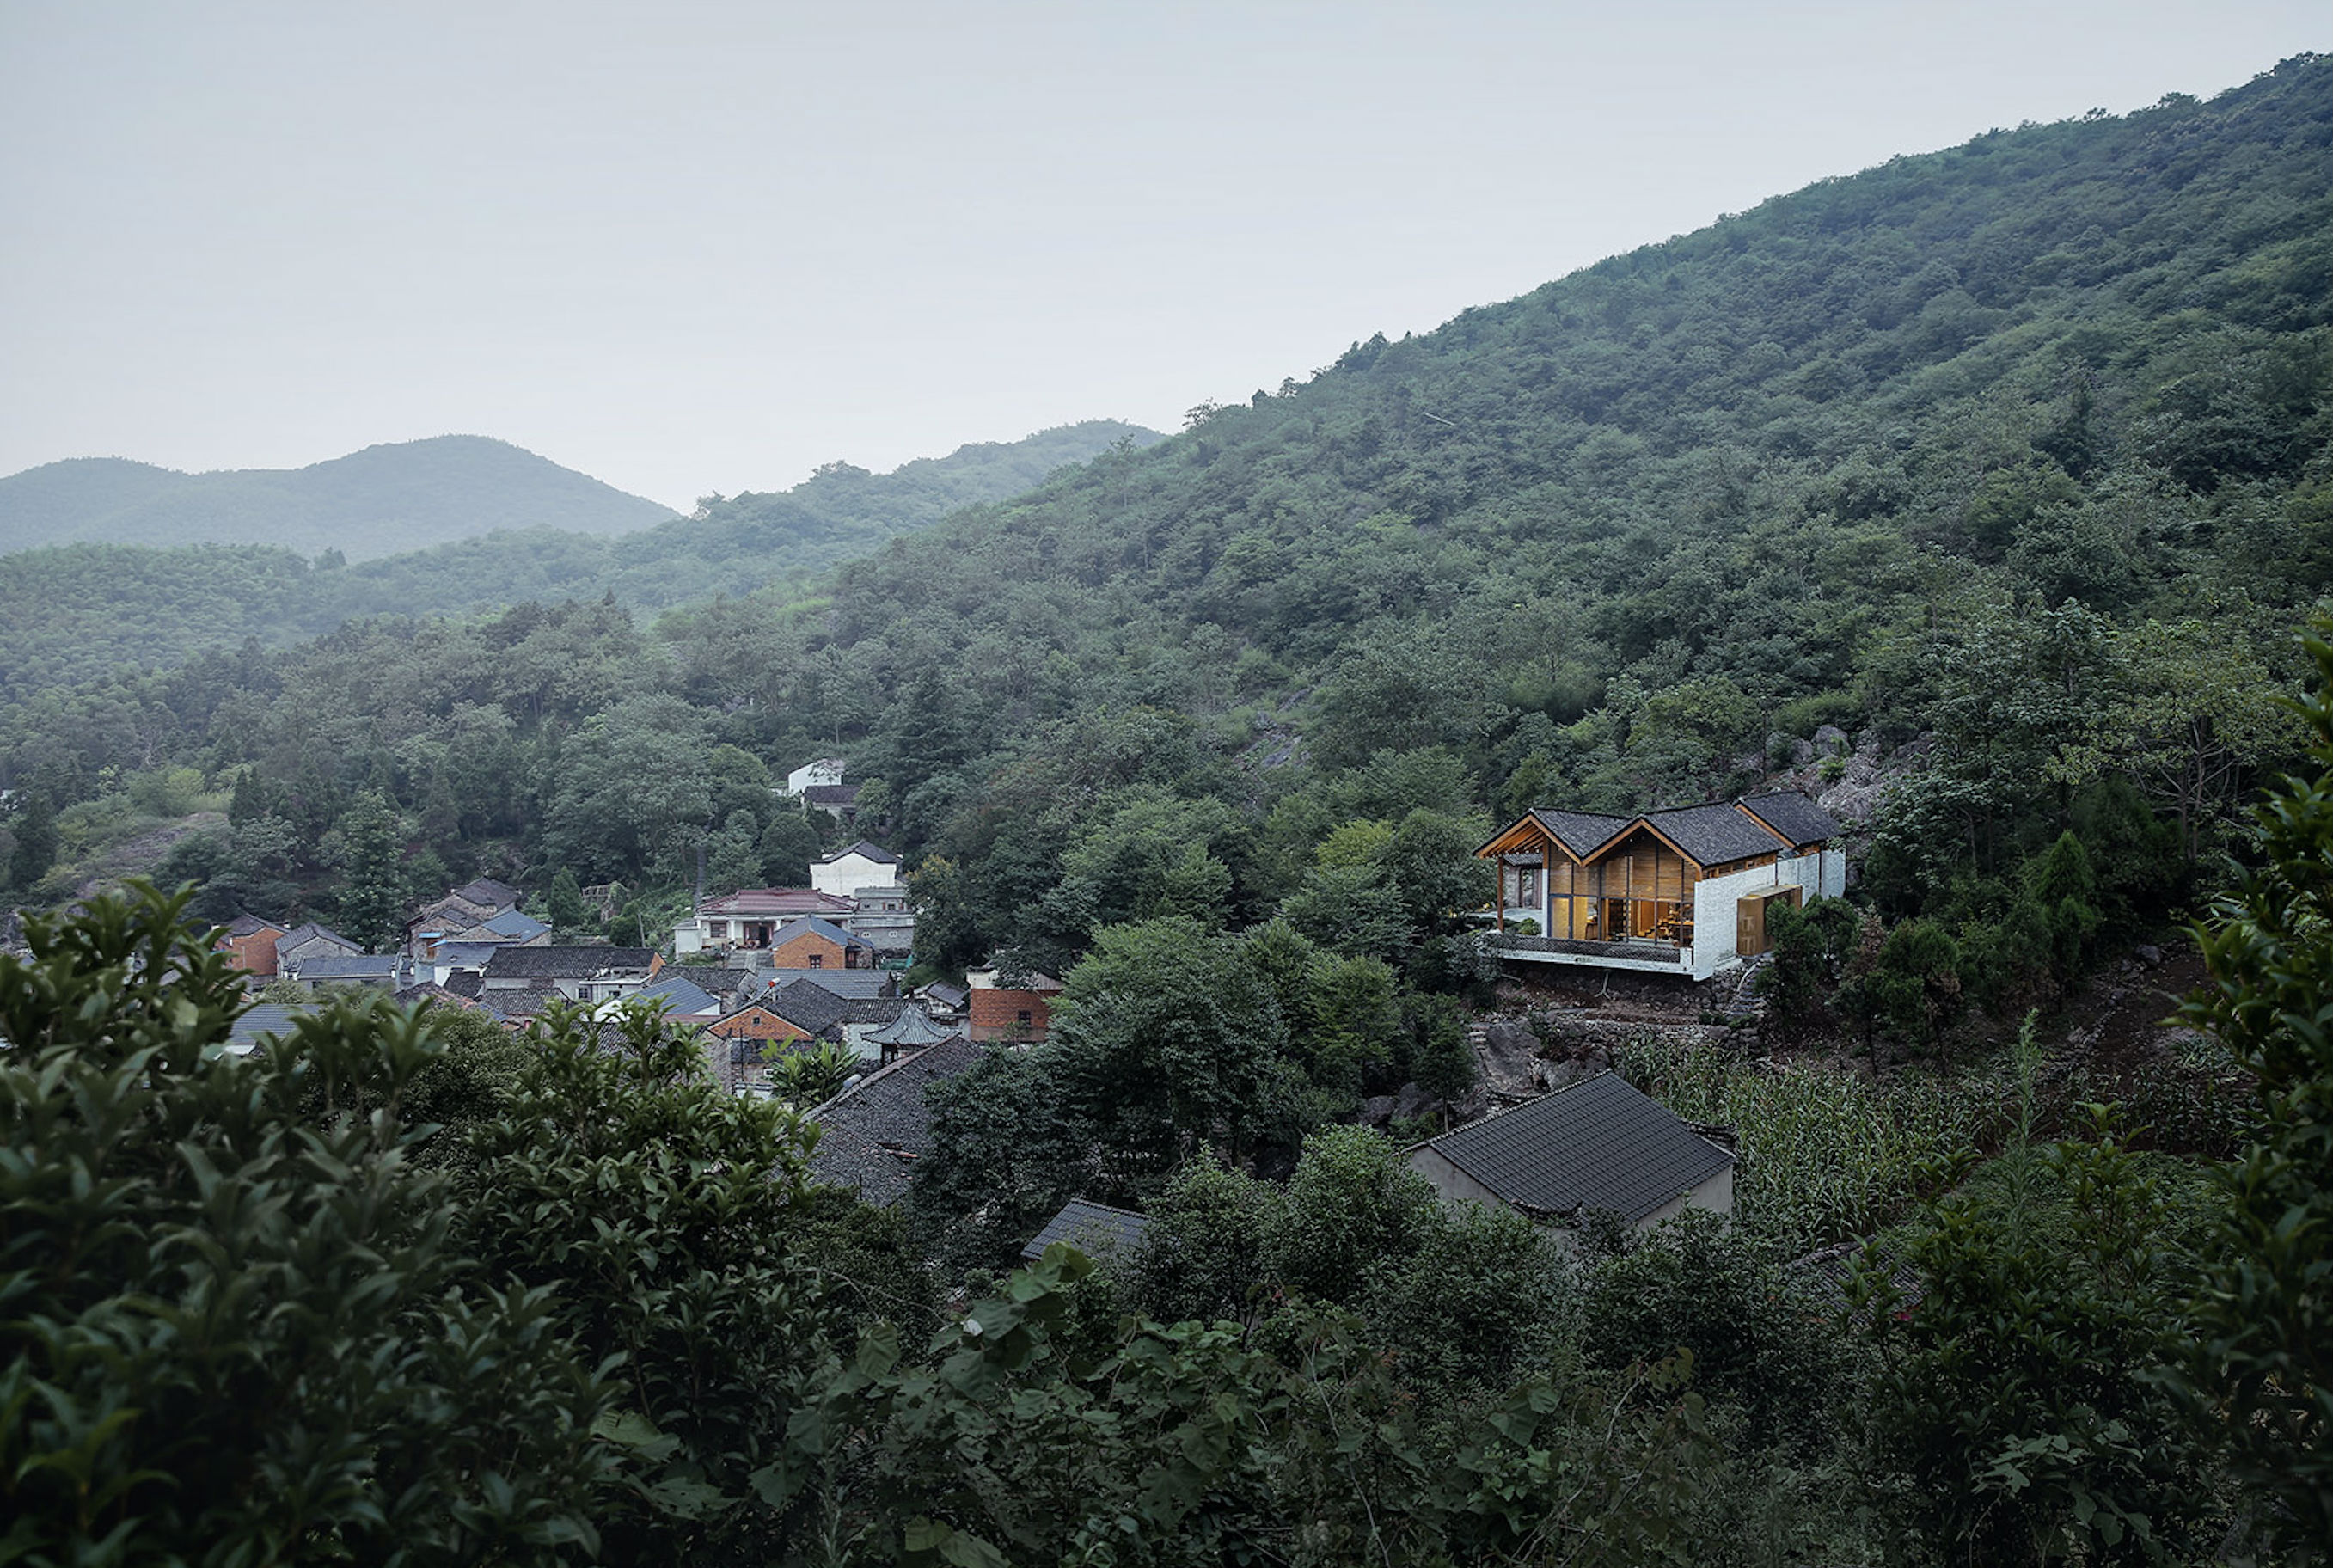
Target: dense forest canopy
[380, 501]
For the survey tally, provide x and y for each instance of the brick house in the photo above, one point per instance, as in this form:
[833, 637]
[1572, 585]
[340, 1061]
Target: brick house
[250, 942]
[1005, 1004]
[811, 943]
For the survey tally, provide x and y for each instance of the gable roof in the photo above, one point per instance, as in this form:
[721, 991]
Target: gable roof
[871, 1134]
[1797, 820]
[523, 1002]
[811, 926]
[682, 996]
[517, 926]
[1713, 834]
[842, 794]
[511, 962]
[852, 984]
[467, 955]
[486, 892]
[349, 966]
[762, 903]
[718, 979]
[865, 851]
[267, 1018]
[1581, 833]
[310, 931]
[1598, 1144]
[811, 1008]
[1093, 1229]
[250, 926]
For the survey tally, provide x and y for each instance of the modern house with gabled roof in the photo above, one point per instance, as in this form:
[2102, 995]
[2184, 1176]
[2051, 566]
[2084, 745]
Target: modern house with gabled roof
[1678, 892]
[847, 870]
[1598, 1146]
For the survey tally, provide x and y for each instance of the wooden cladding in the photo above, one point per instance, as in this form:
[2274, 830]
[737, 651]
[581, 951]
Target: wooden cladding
[1640, 891]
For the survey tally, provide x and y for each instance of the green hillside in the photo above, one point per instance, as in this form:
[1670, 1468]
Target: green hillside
[2023, 444]
[378, 502]
[66, 611]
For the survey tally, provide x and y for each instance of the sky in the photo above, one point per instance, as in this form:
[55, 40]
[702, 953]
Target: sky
[695, 248]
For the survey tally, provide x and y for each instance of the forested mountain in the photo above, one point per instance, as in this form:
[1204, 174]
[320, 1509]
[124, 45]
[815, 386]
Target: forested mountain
[381, 501]
[69, 610]
[2024, 444]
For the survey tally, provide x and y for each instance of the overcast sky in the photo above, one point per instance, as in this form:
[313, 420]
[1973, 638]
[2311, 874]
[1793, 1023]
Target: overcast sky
[692, 248]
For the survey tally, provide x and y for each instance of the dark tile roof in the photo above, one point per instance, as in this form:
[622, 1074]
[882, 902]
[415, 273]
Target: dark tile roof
[250, 926]
[852, 984]
[912, 1029]
[871, 1135]
[1713, 834]
[511, 962]
[427, 991]
[524, 1002]
[765, 903]
[468, 984]
[842, 794]
[350, 967]
[811, 926]
[517, 926]
[468, 954]
[1095, 1229]
[947, 995]
[681, 995]
[718, 980]
[809, 1007]
[1793, 816]
[486, 891]
[1581, 833]
[871, 851]
[267, 1018]
[310, 931]
[1819, 1278]
[1598, 1144]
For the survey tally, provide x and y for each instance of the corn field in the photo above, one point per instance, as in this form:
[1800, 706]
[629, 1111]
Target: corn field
[1824, 1154]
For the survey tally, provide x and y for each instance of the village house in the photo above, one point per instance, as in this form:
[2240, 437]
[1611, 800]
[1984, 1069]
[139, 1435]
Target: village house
[582, 974]
[746, 920]
[388, 970]
[825, 770]
[809, 942]
[308, 941]
[845, 871]
[1598, 1146]
[249, 943]
[1680, 891]
[1005, 1005]
[462, 909]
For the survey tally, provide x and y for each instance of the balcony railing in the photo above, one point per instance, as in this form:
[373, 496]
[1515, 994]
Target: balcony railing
[1644, 951]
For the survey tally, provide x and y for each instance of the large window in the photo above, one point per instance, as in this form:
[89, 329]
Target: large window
[1639, 891]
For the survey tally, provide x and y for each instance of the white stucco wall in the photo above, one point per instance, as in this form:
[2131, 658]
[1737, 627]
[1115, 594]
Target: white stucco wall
[844, 878]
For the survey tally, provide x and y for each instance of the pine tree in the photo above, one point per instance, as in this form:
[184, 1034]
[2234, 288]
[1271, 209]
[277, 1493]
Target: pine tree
[372, 895]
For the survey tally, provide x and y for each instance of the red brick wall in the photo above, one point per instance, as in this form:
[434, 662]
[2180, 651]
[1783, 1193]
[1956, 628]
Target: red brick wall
[796, 954]
[757, 1023]
[996, 1014]
[255, 954]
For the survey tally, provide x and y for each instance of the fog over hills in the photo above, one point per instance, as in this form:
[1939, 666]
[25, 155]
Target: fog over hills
[384, 500]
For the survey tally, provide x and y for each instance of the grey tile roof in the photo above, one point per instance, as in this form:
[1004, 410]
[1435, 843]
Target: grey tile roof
[682, 996]
[487, 892]
[843, 794]
[467, 955]
[813, 926]
[517, 926]
[566, 963]
[809, 1007]
[1095, 1229]
[1713, 834]
[1581, 833]
[267, 1018]
[310, 931]
[465, 985]
[524, 1002]
[852, 984]
[350, 967]
[870, 1136]
[875, 853]
[947, 995]
[1598, 1144]
[1793, 816]
[250, 926]
[912, 1029]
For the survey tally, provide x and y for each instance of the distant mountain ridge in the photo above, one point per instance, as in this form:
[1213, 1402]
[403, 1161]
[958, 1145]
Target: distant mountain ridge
[69, 610]
[381, 501]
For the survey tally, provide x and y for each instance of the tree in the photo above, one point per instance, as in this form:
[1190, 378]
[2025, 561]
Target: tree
[2261, 1375]
[35, 851]
[1202, 1254]
[239, 1327]
[1352, 1205]
[372, 886]
[565, 904]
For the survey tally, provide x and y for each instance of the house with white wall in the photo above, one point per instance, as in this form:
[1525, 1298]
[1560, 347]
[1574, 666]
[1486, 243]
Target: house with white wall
[849, 871]
[1678, 892]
